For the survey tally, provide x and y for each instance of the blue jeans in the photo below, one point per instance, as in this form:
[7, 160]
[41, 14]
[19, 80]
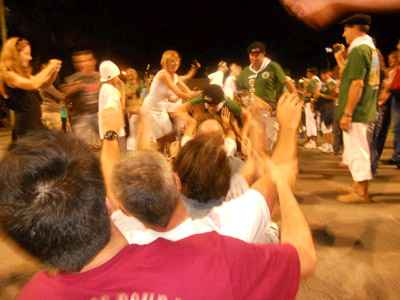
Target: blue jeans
[396, 127]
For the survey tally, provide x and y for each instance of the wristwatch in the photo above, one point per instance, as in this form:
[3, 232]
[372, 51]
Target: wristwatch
[111, 135]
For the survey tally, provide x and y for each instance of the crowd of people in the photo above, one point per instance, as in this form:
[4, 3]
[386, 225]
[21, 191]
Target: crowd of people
[180, 203]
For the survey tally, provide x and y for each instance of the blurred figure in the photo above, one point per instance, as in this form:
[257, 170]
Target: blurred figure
[218, 76]
[309, 110]
[229, 87]
[82, 92]
[326, 98]
[20, 88]
[131, 84]
[321, 13]
[392, 89]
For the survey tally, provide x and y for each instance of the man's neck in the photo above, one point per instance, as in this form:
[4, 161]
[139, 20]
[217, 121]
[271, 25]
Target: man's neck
[179, 216]
[116, 243]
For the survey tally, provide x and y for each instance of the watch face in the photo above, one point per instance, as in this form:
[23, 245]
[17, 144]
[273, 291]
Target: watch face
[111, 135]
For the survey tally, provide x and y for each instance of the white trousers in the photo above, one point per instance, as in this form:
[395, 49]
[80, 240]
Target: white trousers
[326, 129]
[356, 151]
[311, 124]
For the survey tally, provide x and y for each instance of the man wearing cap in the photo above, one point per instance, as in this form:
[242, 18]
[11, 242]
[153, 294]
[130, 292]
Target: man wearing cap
[214, 100]
[357, 104]
[264, 79]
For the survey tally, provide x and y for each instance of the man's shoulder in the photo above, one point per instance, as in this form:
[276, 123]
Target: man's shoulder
[39, 287]
[274, 65]
[197, 100]
[360, 51]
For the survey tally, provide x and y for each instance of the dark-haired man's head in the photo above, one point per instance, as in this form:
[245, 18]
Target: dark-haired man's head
[326, 74]
[311, 72]
[52, 199]
[204, 170]
[84, 61]
[213, 95]
[145, 186]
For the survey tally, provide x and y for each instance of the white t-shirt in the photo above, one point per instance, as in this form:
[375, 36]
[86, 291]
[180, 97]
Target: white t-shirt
[230, 87]
[217, 78]
[245, 218]
[108, 97]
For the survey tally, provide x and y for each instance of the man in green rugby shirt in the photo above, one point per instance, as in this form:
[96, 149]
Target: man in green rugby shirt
[264, 79]
[214, 100]
[357, 104]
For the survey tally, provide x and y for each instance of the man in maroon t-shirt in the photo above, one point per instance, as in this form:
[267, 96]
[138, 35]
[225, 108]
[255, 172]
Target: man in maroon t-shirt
[53, 204]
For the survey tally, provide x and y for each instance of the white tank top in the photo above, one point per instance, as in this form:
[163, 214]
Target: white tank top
[157, 99]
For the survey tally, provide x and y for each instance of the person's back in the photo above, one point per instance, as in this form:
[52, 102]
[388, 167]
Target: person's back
[205, 266]
[53, 204]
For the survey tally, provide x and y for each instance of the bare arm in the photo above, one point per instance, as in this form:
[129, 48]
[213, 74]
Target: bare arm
[355, 92]
[192, 72]
[246, 118]
[32, 83]
[110, 153]
[290, 86]
[295, 229]
[339, 57]
[178, 91]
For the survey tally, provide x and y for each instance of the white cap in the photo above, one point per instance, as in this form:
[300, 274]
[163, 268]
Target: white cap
[108, 70]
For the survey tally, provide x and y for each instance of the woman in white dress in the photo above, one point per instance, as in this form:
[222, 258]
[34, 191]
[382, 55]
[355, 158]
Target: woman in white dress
[154, 108]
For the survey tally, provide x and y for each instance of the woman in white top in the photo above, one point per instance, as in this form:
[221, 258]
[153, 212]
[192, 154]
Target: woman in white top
[154, 108]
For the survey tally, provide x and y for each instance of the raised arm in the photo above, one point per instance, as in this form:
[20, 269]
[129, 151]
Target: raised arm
[295, 229]
[110, 153]
[13, 80]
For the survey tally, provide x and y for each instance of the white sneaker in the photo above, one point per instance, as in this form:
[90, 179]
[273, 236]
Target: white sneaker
[326, 148]
[310, 145]
[323, 147]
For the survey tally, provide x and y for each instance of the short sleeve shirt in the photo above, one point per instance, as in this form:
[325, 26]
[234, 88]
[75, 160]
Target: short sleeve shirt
[362, 63]
[233, 107]
[268, 83]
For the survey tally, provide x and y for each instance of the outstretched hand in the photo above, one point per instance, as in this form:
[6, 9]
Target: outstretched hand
[288, 111]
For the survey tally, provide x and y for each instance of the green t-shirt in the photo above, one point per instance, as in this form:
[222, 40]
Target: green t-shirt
[268, 84]
[130, 88]
[362, 63]
[327, 87]
[140, 88]
[312, 87]
[233, 107]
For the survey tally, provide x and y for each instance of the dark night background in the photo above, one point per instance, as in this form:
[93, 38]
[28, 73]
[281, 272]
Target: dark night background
[136, 33]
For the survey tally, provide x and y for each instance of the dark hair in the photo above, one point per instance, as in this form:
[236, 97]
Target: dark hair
[52, 199]
[204, 170]
[144, 184]
[324, 71]
[82, 52]
[215, 92]
[313, 70]
[364, 28]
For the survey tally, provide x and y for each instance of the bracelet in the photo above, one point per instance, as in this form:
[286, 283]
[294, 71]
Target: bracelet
[347, 115]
